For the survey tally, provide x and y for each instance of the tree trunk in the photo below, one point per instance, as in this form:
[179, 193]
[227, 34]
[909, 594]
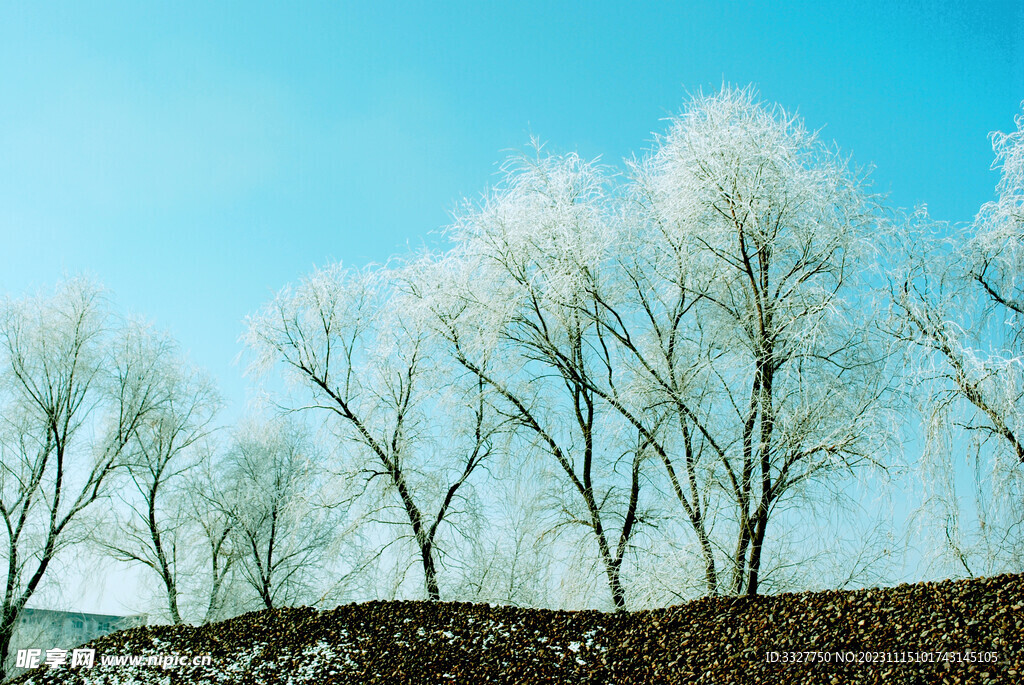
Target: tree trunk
[615, 583]
[170, 583]
[767, 370]
[710, 572]
[611, 565]
[6, 633]
[172, 601]
[429, 571]
[419, 532]
[755, 551]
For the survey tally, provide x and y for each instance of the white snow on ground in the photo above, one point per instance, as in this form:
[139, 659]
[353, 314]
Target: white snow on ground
[315, 662]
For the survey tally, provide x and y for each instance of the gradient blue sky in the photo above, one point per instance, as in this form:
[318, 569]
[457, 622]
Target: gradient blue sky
[197, 156]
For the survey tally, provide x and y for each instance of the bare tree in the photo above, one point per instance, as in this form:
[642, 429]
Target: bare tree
[345, 337]
[157, 532]
[75, 391]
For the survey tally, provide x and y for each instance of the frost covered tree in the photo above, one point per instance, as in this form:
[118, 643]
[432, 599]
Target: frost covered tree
[280, 534]
[996, 261]
[755, 238]
[701, 328]
[156, 528]
[76, 388]
[511, 301]
[411, 434]
[957, 296]
[211, 580]
[692, 343]
[506, 560]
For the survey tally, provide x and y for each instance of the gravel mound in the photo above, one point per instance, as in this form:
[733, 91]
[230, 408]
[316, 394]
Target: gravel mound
[968, 631]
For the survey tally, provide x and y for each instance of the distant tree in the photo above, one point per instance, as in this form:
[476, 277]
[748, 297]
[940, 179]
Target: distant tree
[279, 534]
[214, 526]
[76, 388]
[506, 558]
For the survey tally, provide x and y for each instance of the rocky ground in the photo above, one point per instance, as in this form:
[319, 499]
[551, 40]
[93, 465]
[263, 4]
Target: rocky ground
[968, 631]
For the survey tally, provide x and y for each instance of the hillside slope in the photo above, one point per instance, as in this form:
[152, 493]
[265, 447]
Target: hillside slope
[876, 635]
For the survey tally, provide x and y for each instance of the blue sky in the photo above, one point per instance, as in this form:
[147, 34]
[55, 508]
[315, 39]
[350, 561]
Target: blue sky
[196, 156]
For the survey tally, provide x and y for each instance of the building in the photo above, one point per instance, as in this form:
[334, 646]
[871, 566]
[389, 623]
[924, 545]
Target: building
[46, 628]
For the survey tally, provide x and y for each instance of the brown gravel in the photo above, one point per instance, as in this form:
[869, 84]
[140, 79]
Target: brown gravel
[969, 631]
